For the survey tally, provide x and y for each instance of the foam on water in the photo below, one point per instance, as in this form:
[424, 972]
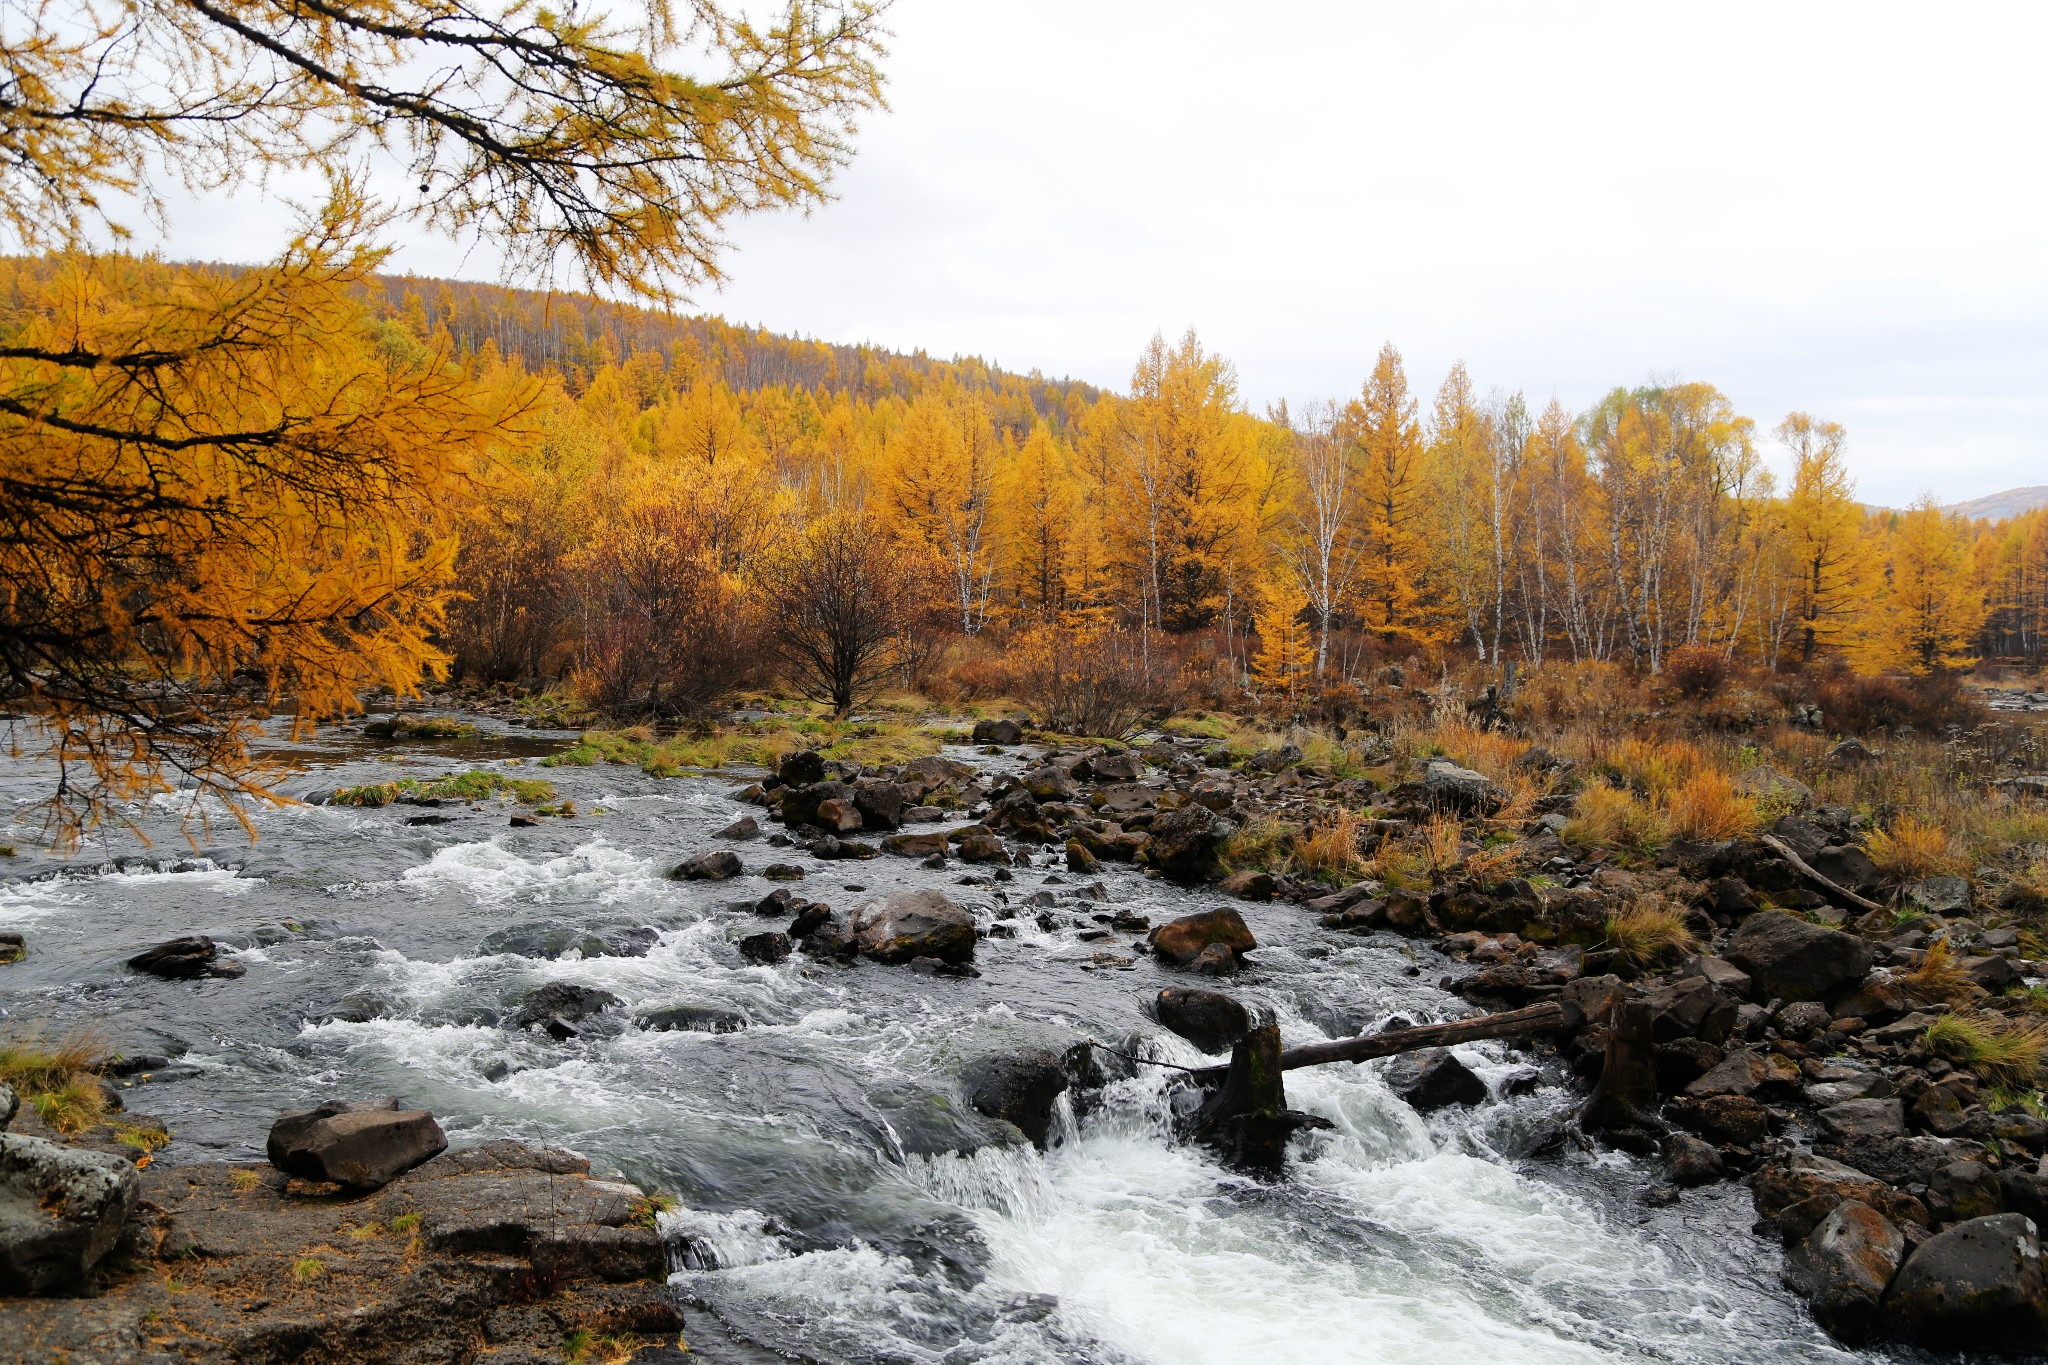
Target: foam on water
[592, 872]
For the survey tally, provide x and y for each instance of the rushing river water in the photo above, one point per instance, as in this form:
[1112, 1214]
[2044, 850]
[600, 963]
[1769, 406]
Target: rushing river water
[838, 1201]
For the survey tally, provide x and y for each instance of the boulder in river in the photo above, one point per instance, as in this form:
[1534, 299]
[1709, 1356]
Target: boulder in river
[1211, 1020]
[13, 947]
[1019, 1088]
[186, 959]
[801, 768]
[910, 924]
[693, 1018]
[768, 948]
[1248, 885]
[746, 827]
[1003, 732]
[61, 1210]
[1184, 843]
[712, 865]
[363, 1146]
[1433, 1079]
[1979, 1286]
[1791, 959]
[1183, 940]
[550, 941]
[557, 1007]
[1843, 1266]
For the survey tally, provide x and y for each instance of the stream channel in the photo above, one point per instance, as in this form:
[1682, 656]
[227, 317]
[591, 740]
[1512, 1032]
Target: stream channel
[838, 1199]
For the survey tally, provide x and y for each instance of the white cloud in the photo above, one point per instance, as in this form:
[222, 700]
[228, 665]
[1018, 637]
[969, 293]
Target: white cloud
[1829, 207]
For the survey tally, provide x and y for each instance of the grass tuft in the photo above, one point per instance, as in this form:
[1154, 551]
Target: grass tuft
[1649, 932]
[2005, 1052]
[1911, 849]
[477, 784]
[60, 1078]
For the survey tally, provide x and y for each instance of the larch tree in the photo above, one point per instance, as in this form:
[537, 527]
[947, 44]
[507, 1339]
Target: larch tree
[1041, 506]
[1832, 563]
[1382, 427]
[1285, 662]
[1933, 604]
[214, 478]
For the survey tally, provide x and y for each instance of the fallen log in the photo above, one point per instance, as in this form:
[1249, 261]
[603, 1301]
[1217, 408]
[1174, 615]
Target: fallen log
[1511, 1024]
[1806, 870]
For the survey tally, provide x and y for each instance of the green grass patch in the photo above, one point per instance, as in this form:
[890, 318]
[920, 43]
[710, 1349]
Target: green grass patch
[59, 1079]
[752, 744]
[2003, 1051]
[477, 784]
[420, 727]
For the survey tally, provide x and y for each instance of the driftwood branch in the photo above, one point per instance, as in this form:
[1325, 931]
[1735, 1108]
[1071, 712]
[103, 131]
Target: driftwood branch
[1805, 869]
[1512, 1024]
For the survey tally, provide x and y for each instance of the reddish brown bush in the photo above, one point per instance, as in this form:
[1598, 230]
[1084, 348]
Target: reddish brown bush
[1699, 672]
[1855, 703]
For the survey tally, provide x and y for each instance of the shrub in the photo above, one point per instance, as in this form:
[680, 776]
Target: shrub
[1099, 682]
[1648, 932]
[1698, 671]
[1854, 703]
[1912, 848]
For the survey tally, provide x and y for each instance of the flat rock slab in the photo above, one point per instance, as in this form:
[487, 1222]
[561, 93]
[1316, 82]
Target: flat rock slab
[496, 1252]
[362, 1146]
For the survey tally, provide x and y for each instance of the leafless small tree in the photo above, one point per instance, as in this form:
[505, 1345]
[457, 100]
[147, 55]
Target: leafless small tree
[842, 601]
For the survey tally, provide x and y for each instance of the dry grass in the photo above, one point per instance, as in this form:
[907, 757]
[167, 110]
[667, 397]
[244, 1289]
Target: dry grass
[1649, 932]
[2003, 1051]
[1609, 817]
[2029, 887]
[1330, 849]
[1938, 976]
[1441, 843]
[1483, 751]
[59, 1078]
[1911, 849]
[1705, 805]
[1262, 845]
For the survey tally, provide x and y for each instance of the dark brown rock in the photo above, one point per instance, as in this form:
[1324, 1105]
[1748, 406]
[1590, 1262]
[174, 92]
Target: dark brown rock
[1182, 940]
[1211, 1020]
[910, 924]
[363, 1146]
[1790, 959]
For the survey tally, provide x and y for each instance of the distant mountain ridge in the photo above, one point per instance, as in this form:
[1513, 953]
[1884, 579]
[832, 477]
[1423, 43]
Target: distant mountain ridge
[1998, 506]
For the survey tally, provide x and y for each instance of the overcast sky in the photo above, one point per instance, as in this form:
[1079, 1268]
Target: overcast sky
[1833, 208]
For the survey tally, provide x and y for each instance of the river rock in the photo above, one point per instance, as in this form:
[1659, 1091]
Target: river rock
[1211, 1020]
[909, 924]
[10, 1105]
[1080, 860]
[363, 1146]
[1693, 1161]
[1791, 959]
[1859, 1120]
[1979, 1286]
[61, 1210]
[928, 845]
[1248, 885]
[768, 948]
[1842, 1267]
[557, 1007]
[1020, 1088]
[550, 941]
[1005, 732]
[185, 959]
[746, 827]
[1184, 843]
[13, 947]
[880, 805]
[1802, 1187]
[712, 865]
[802, 805]
[1121, 767]
[1183, 940]
[1432, 1079]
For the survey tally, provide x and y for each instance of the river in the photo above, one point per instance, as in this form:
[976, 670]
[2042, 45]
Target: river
[837, 1199]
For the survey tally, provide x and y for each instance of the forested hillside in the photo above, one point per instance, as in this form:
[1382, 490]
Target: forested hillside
[1292, 544]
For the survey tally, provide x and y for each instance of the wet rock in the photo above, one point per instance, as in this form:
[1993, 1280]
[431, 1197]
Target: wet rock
[185, 959]
[1692, 1161]
[1211, 1020]
[364, 1145]
[932, 845]
[1446, 786]
[782, 872]
[1791, 959]
[1248, 886]
[880, 805]
[909, 924]
[1123, 767]
[61, 1210]
[1691, 1007]
[982, 846]
[1020, 1088]
[836, 816]
[802, 768]
[697, 1018]
[921, 777]
[746, 827]
[1005, 732]
[712, 865]
[1843, 1266]
[768, 948]
[557, 1007]
[13, 947]
[1859, 1120]
[1214, 960]
[1434, 1079]
[1184, 843]
[1183, 940]
[1080, 860]
[811, 916]
[548, 942]
[831, 848]
[1736, 1120]
[1802, 1187]
[1978, 1286]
